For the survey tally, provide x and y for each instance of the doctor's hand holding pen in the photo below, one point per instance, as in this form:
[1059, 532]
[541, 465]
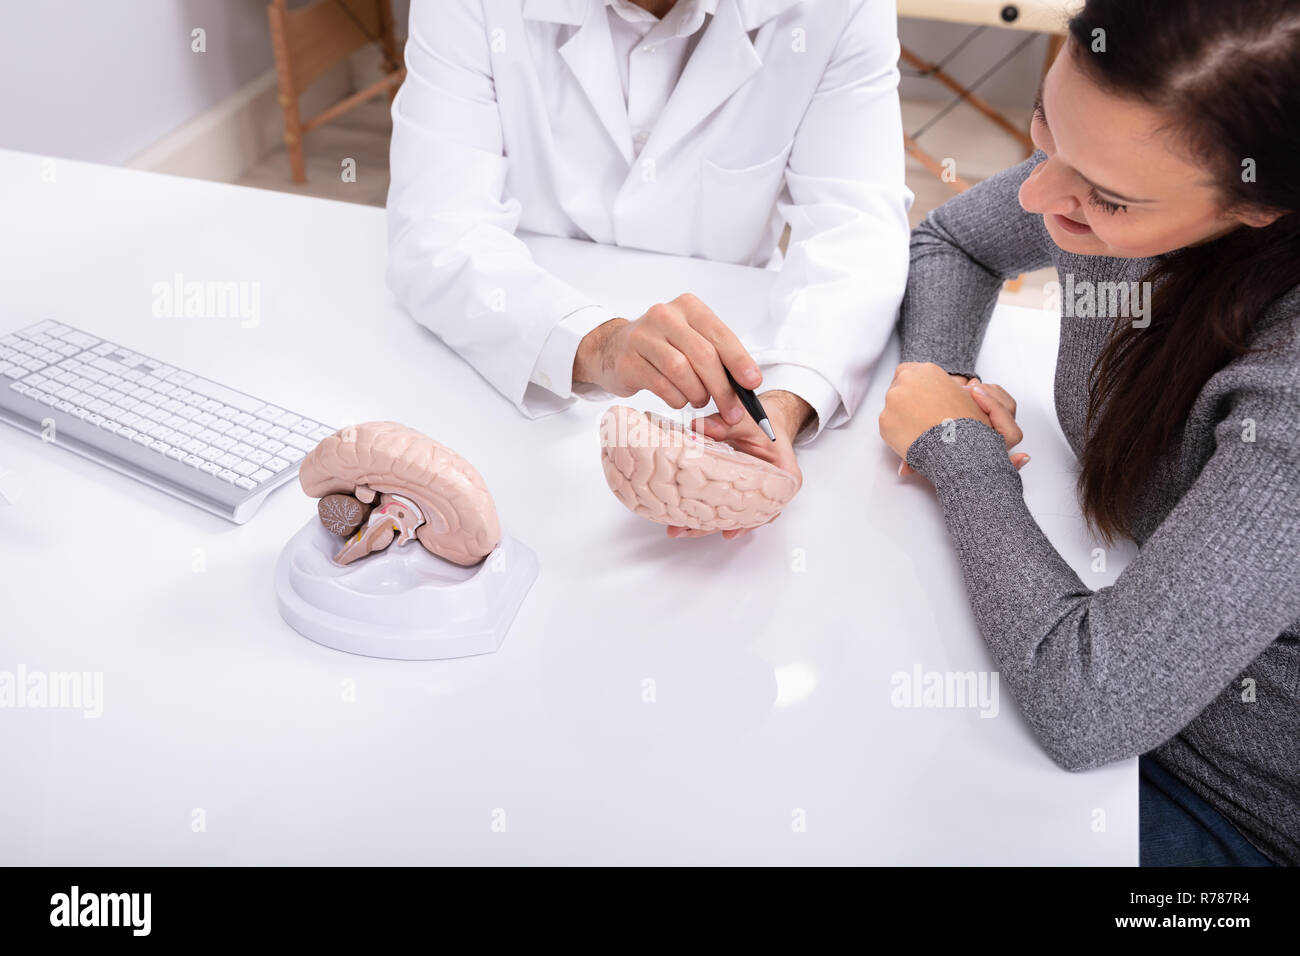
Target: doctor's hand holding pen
[682, 352]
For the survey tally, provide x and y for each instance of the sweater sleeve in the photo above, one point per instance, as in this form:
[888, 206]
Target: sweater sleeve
[1109, 674]
[960, 256]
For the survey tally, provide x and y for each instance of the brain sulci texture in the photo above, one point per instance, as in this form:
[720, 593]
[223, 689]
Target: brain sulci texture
[419, 490]
[676, 476]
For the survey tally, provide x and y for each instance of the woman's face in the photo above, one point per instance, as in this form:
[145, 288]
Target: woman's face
[1116, 181]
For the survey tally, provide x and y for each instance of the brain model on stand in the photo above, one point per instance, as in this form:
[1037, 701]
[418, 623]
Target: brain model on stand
[381, 482]
[676, 476]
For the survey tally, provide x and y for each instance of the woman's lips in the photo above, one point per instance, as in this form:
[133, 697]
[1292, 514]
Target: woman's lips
[1070, 226]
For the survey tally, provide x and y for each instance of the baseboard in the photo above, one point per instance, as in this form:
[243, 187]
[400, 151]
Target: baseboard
[229, 138]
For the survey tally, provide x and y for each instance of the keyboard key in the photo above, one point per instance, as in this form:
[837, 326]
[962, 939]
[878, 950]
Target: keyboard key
[288, 420]
[142, 439]
[246, 483]
[228, 476]
[227, 460]
[260, 425]
[175, 454]
[227, 396]
[261, 475]
[81, 339]
[161, 447]
[257, 456]
[210, 453]
[243, 468]
[269, 412]
[194, 461]
[179, 378]
[224, 441]
[211, 468]
[278, 433]
[241, 449]
[277, 465]
[221, 426]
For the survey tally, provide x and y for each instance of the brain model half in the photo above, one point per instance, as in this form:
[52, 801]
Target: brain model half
[383, 482]
[675, 476]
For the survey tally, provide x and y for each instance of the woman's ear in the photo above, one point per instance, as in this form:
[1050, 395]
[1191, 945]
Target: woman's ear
[1258, 218]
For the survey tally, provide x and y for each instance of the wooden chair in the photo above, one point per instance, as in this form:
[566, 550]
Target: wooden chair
[309, 40]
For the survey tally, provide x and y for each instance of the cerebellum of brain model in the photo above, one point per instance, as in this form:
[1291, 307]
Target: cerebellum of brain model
[675, 476]
[382, 482]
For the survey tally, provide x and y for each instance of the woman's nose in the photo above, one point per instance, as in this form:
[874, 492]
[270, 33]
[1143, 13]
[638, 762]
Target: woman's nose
[1049, 189]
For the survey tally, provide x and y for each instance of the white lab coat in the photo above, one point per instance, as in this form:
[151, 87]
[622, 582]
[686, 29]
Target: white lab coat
[512, 117]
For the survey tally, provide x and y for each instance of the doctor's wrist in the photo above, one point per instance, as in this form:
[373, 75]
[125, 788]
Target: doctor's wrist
[787, 412]
[591, 358]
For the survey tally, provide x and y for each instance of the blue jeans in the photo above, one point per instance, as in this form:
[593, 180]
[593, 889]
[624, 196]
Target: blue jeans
[1177, 828]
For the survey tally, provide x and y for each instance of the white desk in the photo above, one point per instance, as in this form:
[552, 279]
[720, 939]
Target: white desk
[772, 686]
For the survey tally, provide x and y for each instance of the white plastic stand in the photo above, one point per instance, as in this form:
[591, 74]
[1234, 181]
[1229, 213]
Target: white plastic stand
[402, 603]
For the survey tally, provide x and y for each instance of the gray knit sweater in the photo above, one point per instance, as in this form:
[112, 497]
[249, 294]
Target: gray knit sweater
[1193, 654]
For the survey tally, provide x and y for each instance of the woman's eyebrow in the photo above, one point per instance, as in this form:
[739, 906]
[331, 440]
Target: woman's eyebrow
[1041, 113]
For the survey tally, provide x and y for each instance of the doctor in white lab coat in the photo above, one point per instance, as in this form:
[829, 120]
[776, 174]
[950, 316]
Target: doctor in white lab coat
[689, 127]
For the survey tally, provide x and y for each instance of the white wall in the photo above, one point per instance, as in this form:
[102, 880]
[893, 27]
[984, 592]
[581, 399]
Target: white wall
[102, 79]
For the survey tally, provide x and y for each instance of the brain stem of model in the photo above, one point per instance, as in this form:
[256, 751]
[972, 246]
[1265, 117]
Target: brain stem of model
[382, 482]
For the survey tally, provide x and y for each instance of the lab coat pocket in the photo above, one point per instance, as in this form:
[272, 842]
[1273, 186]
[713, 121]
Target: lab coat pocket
[737, 210]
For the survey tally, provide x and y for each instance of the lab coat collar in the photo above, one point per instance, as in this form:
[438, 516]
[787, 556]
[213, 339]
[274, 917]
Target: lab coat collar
[590, 56]
[753, 13]
[723, 60]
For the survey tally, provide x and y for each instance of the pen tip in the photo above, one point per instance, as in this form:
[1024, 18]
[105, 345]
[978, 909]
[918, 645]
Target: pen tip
[767, 429]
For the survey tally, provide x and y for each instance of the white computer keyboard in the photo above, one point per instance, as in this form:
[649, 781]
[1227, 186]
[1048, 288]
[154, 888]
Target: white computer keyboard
[184, 434]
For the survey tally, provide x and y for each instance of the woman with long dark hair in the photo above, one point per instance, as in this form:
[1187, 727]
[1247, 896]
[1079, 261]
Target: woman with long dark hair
[1168, 165]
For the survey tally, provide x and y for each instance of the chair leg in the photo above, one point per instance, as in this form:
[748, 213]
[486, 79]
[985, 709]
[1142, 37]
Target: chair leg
[288, 96]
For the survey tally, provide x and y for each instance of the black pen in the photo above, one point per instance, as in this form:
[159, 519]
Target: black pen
[752, 405]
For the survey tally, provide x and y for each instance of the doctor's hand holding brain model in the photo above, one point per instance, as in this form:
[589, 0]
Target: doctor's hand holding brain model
[696, 128]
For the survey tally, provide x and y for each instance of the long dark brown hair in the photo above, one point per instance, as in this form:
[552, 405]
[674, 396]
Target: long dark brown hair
[1227, 74]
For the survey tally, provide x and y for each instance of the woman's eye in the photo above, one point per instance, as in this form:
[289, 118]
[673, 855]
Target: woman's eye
[1105, 204]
